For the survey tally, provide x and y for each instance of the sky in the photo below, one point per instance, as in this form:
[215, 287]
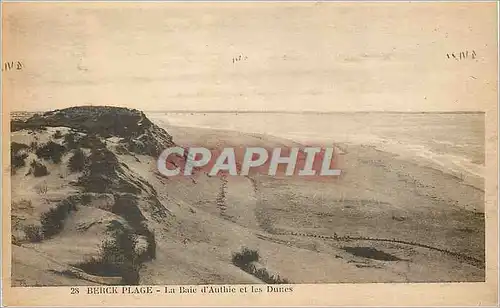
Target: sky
[251, 56]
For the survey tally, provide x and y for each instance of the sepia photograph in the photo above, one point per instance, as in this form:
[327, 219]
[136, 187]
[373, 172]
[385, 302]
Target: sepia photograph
[170, 149]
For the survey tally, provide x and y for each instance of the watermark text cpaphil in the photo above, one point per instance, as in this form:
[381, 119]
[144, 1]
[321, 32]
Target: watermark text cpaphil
[288, 161]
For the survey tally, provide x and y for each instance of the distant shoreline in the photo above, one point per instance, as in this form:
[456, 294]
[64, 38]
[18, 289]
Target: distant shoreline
[314, 112]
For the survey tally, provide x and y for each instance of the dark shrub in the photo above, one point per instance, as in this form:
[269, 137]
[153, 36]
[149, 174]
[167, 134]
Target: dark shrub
[245, 257]
[264, 275]
[33, 146]
[101, 174]
[127, 207]
[70, 141]
[121, 150]
[90, 142]
[103, 161]
[74, 141]
[117, 257]
[77, 162]
[121, 252]
[33, 233]
[16, 147]
[51, 151]
[85, 199]
[17, 160]
[151, 252]
[96, 266]
[98, 183]
[58, 134]
[18, 155]
[38, 169]
[16, 125]
[53, 220]
[244, 261]
[371, 253]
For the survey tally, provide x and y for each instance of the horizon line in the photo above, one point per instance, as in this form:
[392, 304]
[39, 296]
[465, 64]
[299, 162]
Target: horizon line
[315, 112]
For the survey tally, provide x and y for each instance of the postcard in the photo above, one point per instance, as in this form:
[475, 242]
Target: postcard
[250, 153]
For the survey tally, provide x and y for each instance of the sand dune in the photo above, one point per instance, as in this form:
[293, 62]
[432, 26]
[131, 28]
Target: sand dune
[386, 219]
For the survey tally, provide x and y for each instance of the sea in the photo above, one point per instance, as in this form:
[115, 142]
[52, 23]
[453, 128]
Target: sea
[453, 142]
